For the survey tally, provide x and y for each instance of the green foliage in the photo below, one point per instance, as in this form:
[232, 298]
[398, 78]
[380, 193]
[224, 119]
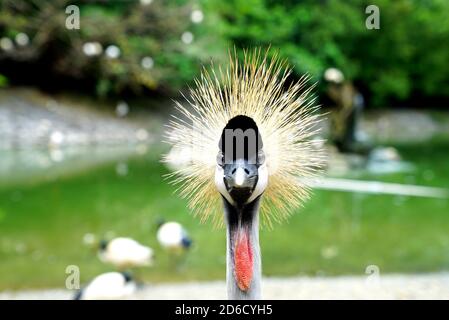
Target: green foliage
[407, 57]
[154, 31]
[3, 81]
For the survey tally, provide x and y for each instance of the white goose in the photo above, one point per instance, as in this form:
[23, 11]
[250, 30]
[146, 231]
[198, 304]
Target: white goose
[125, 253]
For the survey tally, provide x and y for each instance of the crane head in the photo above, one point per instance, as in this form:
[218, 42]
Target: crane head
[217, 139]
[241, 174]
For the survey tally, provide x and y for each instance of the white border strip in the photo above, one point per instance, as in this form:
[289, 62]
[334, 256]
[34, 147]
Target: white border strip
[377, 187]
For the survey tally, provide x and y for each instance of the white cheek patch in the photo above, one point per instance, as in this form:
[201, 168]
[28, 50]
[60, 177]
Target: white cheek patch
[219, 183]
[262, 183]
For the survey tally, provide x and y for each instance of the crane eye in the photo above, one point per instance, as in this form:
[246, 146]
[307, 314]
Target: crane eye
[260, 157]
[220, 158]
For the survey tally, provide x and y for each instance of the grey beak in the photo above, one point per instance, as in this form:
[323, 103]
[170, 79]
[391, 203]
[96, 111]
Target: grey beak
[240, 179]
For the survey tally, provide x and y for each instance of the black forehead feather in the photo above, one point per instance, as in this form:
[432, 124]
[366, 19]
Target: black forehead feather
[244, 123]
[241, 122]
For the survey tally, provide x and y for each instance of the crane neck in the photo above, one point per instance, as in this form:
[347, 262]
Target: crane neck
[243, 221]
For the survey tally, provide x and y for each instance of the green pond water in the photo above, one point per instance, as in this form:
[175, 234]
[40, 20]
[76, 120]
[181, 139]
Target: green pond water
[45, 213]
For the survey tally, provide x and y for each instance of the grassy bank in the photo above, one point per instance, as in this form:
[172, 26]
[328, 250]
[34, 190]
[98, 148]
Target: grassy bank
[42, 225]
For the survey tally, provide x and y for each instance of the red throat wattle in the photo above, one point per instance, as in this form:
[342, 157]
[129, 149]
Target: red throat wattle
[243, 260]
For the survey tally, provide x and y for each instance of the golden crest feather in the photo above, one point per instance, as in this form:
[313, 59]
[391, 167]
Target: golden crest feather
[286, 116]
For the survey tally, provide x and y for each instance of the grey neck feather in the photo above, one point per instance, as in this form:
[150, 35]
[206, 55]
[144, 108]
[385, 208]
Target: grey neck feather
[234, 292]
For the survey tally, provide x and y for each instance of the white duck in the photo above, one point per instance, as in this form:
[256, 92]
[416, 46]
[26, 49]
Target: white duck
[125, 253]
[108, 286]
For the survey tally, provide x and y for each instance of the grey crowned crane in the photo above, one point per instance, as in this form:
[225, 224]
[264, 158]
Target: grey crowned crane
[249, 139]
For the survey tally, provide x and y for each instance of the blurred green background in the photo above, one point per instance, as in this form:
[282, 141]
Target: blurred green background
[178, 36]
[82, 112]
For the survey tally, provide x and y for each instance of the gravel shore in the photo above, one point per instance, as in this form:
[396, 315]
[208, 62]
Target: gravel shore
[422, 286]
